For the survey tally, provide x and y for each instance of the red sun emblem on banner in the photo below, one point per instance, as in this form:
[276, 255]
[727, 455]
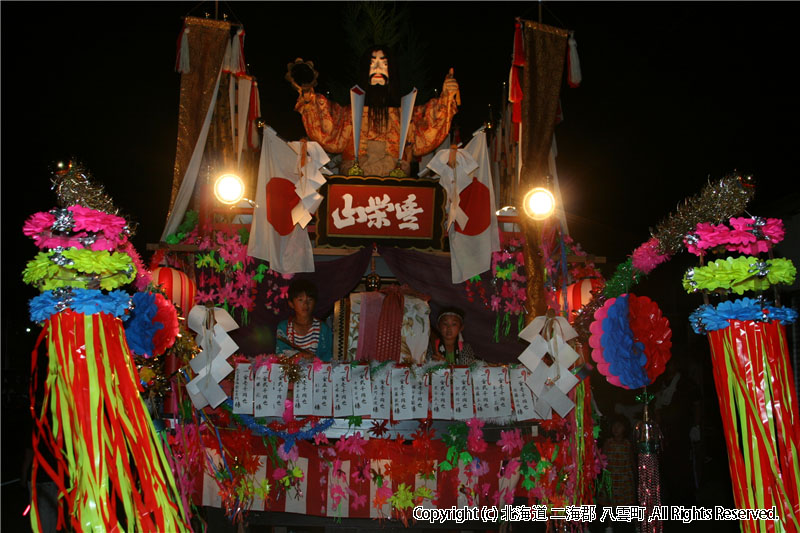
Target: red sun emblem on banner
[474, 201]
[281, 199]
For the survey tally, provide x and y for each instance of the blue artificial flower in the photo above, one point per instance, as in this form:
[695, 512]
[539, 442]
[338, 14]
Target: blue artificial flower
[86, 301]
[42, 307]
[786, 315]
[708, 318]
[140, 328]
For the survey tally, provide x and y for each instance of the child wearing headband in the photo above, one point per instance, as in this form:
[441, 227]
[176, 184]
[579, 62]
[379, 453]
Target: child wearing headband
[450, 346]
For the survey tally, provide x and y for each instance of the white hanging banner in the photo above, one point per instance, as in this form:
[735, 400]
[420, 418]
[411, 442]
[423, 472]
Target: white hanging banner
[406, 110]
[245, 85]
[357, 97]
[186, 189]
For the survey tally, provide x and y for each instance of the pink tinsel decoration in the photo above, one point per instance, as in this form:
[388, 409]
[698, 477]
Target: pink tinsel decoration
[647, 257]
[143, 276]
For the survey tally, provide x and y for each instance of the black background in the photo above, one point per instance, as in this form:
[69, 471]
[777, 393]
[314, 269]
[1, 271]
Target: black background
[673, 94]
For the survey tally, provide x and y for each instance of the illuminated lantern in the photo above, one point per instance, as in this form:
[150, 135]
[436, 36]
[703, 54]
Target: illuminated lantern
[179, 287]
[578, 295]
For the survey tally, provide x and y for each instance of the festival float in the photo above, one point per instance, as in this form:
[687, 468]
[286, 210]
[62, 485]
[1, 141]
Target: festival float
[225, 406]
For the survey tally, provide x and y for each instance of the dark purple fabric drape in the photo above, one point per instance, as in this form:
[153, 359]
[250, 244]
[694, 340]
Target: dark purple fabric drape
[334, 279]
[431, 275]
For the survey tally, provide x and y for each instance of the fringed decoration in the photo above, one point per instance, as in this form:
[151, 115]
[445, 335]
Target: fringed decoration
[649, 492]
[101, 432]
[573, 63]
[758, 403]
[182, 60]
[253, 139]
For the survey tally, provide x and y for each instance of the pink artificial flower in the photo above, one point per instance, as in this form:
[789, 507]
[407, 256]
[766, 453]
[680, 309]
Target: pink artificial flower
[774, 230]
[242, 279]
[320, 438]
[495, 303]
[479, 468]
[512, 468]
[361, 473]
[742, 232]
[337, 493]
[92, 220]
[359, 501]
[278, 474]
[38, 223]
[206, 297]
[708, 236]
[382, 494]
[475, 423]
[337, 468]
[353, 444]
[225, 292]
[475, 442]
[288, 411]
[510, 441]
[290, 456]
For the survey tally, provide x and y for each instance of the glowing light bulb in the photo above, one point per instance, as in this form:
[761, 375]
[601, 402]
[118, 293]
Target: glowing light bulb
[229, 189]
[539, 203]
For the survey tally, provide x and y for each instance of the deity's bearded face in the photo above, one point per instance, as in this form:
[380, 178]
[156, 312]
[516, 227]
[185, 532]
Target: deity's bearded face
[378, 68]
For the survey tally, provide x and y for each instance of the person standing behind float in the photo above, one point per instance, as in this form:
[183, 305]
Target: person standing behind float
[450, 346]
[303, 333]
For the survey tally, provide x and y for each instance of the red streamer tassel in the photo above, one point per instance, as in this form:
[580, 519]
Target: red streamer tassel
[101, 434]
[759, 412]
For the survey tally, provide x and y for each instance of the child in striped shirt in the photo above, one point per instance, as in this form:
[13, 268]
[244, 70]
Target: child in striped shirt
[303, 333]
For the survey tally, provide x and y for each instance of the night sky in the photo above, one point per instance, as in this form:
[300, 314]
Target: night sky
[672, 94]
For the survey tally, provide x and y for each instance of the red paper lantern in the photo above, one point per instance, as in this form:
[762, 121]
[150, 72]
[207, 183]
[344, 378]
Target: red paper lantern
[578, 294]
[179, 287]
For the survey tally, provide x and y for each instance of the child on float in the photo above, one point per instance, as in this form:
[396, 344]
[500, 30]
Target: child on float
[449, 345]
[302, 333]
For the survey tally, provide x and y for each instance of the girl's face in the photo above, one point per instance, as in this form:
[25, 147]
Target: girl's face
[618, 429]
[450, 326]
[302, 305]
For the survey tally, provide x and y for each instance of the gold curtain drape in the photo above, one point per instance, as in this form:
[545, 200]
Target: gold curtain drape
[207, 42]
[545, 49]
